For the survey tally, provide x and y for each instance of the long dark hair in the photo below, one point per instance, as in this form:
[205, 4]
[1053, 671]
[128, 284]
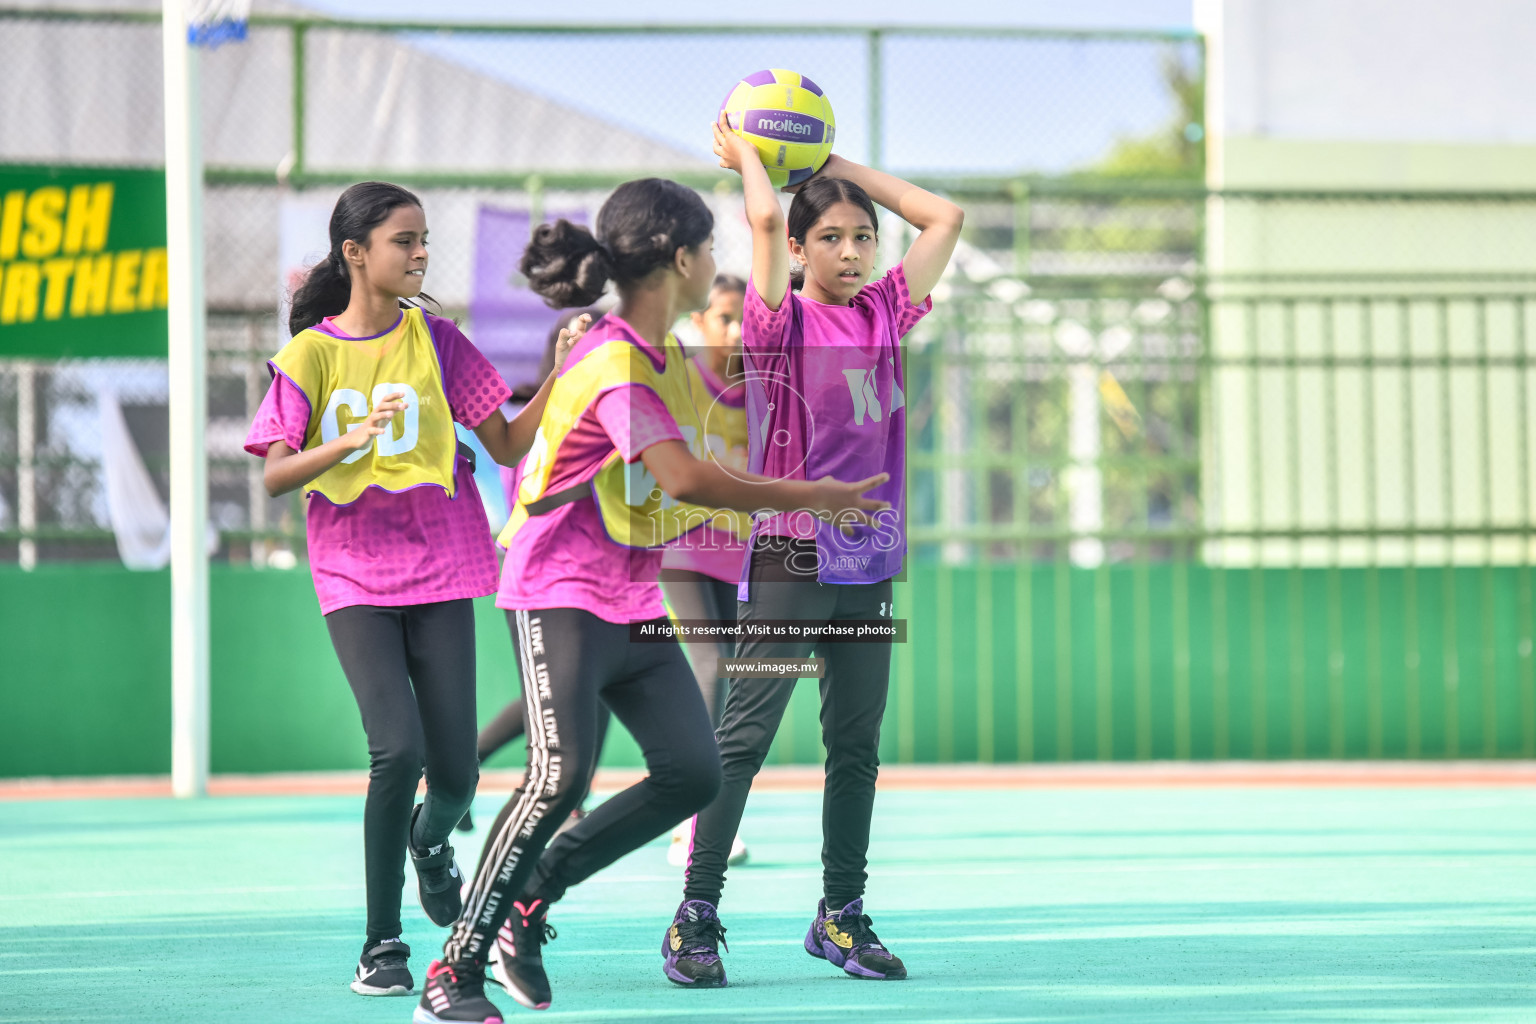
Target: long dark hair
[639, 228]
[327, 287]
[815, 198]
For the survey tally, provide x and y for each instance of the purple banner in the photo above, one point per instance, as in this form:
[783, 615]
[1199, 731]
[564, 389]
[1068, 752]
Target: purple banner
[510, 323]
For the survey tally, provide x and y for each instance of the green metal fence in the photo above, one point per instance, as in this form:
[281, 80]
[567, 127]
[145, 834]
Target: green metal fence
[1194, 473]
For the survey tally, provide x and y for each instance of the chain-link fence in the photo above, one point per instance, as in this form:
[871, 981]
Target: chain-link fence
[1103, 315]
[477, 118]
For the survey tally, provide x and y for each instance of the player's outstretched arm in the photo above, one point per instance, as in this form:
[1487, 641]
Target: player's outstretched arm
[770, 248]
[938, 221]
[707, 483]
[507, 442]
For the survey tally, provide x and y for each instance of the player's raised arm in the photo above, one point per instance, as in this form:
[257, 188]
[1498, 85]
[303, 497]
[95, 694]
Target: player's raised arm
[770, 251]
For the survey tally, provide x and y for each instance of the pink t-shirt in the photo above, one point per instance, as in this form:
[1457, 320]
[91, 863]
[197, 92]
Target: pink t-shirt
[708, 551]
[564, 558]
[871, 325]
[416, 546]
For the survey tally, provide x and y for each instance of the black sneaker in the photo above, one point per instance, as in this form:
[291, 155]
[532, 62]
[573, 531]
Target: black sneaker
[437, 880]
[517, 960]
[691, 947]
[381, 970]
[846, 939]
[455, 993]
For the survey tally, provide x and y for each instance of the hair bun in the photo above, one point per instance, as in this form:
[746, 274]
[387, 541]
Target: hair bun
[639, 230]
[566, 265]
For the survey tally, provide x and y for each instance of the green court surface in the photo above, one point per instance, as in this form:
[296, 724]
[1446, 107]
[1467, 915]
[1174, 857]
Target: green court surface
[1092, 904]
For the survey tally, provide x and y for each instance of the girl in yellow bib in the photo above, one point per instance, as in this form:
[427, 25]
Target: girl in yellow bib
[617, 470]
[700, 570]
[361, 415]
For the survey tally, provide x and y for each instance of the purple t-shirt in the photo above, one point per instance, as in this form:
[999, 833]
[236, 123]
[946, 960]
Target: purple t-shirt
[825, 398]
[415, 546]
[564, 558]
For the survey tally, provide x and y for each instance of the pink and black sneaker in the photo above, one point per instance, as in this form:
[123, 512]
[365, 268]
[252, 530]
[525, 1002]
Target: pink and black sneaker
[691, 946]
[455, 994]
[846, 939]
[517, 959]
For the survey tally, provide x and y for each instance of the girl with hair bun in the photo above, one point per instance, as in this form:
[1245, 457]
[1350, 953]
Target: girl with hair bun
[617, 470]
[361, 414]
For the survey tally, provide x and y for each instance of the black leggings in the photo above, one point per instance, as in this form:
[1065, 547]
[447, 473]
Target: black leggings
[853, 694]
[412, 670]
[508, 725]
[572, 663]
[690, 595]
[693, 595]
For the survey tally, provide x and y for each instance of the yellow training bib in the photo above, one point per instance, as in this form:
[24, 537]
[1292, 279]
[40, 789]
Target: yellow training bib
[636, 512]
[725, 426]
[725, 441]
[344, 378]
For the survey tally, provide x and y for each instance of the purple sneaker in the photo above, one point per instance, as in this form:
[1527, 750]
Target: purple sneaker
[846, 939]
[690, 946]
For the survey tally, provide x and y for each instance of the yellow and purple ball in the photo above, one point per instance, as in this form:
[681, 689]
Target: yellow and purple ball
[788, 118]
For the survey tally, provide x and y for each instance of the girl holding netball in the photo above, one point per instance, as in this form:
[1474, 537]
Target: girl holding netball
[824, 378]
[614, 474]
[361, 414]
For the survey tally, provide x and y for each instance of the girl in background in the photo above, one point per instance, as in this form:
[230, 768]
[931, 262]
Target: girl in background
[508, 724]
[361, 414]
[609, 480]
[700, 570]
[824, 379]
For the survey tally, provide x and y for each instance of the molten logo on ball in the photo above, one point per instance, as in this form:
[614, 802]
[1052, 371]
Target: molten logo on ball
[785, 125]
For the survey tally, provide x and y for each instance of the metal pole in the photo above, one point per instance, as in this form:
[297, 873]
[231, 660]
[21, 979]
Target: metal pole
[256, 490]
[26, 462]
[876, 90]
[188, 407]
[300, 68]
[1085, 447]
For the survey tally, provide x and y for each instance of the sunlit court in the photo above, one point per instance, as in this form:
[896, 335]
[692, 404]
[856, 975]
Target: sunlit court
[1167, 895]
[1019, 511]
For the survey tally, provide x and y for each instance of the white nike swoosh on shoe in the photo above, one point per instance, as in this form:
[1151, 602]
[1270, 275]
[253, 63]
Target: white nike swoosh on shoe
[363, 975]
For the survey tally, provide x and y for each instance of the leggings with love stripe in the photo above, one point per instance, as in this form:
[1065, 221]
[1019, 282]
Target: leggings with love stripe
[572, 663]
